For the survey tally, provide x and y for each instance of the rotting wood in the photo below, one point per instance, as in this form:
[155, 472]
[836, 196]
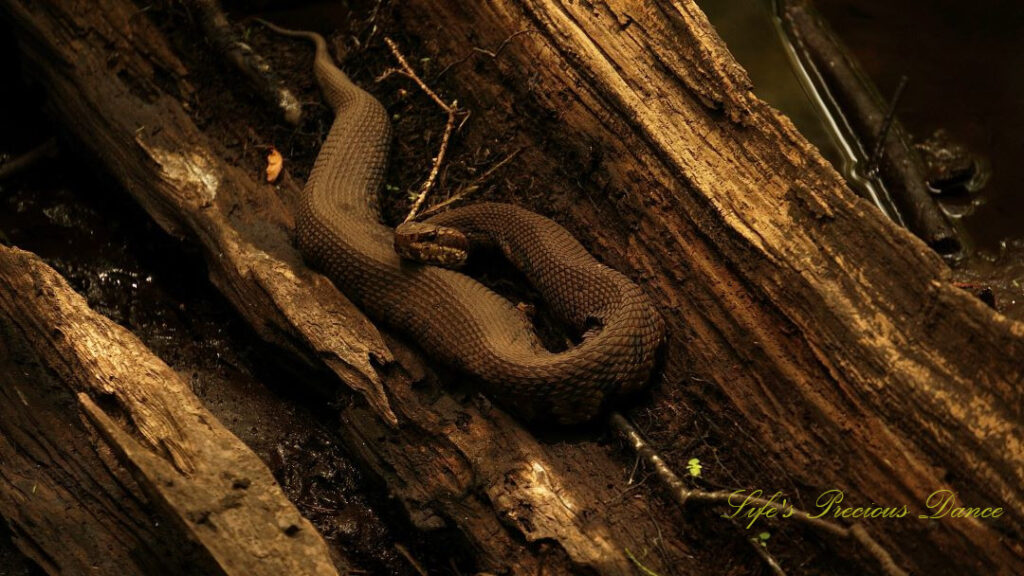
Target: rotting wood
[108, 462]
[190, 191]
[835, 334]
[684, 495]
[457, 465]
[235, 52]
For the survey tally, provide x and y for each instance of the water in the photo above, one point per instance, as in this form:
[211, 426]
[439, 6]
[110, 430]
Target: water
[963, 61]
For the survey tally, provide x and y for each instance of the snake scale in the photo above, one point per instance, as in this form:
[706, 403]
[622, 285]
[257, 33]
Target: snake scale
[453, 316]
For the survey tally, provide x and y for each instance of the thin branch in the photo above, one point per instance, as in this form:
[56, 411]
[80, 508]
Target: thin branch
[29, 159]
[682, 495]
[260, 75]
[765, 555]
[451, 110]
[472, 186]
[478, 50]
[644, 569]
[501, 46]
[432, 177]
[883, 132]
[412, 561]
[899, 165]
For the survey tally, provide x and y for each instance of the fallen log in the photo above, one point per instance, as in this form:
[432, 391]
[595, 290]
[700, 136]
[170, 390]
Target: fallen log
[110, 465]
[123, 92]
[836, 335]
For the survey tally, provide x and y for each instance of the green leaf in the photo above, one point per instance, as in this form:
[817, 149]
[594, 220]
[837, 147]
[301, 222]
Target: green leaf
[693, 467]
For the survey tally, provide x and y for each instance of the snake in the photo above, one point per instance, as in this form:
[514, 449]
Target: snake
[453, 316]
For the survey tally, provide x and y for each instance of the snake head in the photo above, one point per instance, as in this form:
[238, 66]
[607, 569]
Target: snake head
[431, 244]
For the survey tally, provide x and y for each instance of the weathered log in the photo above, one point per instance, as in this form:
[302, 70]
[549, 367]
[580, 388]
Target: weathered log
[122, 91]
[834, 333]
[184, 185]
[108, 462]
[838, 335]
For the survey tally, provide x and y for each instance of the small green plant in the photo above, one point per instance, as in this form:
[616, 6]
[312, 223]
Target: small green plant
[693, 467]
[762, 539]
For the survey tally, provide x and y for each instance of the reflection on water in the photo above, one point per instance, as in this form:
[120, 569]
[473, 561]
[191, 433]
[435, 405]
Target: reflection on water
[963, 61]
[748, 29]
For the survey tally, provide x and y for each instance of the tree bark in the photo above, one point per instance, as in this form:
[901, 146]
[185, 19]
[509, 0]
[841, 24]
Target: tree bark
[110, 465]
[117, 85]
[836, 335]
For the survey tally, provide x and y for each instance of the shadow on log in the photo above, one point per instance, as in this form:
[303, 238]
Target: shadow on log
[836, 335]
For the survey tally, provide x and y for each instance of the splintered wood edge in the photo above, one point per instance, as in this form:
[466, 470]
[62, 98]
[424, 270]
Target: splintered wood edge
[147, 139]
[201, 476]
[181, 182]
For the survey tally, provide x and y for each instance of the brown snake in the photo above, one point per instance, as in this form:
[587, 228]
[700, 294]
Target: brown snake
[449, 314]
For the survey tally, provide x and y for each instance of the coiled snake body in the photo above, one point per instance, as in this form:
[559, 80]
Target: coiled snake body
[451, 315]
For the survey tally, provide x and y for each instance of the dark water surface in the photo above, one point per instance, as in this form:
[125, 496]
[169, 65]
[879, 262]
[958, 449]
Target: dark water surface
[963, 61]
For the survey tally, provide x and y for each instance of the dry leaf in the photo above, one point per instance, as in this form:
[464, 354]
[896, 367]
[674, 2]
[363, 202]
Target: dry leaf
[274, 164]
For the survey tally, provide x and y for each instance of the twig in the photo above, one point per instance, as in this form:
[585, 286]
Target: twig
[429, 182]
[451, 109]
[412, 561]
[765, 555]
[21, 163]
[900, 167]
[682, 495]
[479, 50]
[883, 133]
[472, 186]
[860, 534]
[632, 473]
[501, 46]
[644, 569]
